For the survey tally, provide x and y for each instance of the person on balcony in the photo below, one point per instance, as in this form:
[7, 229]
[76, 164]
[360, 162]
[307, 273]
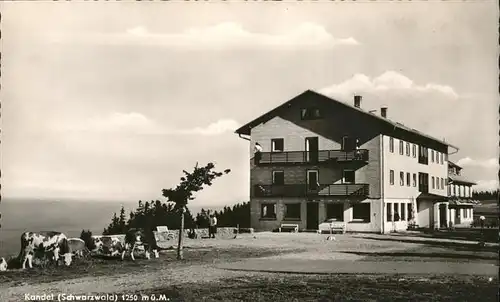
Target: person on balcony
[357, 153]
[258, 153]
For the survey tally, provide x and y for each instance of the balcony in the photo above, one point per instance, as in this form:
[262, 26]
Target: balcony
[303, 190]
[307, 157]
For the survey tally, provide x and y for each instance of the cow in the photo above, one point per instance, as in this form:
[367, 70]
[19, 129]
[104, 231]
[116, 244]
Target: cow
[3, 264]
[138, 239]
[53, 243]
[107, 245]
[77, 247]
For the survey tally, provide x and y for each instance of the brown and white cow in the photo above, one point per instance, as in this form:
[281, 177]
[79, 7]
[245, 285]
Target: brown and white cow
[53, 243]
[107, 245]
[138, 239]
[78, 247]
[3, 264]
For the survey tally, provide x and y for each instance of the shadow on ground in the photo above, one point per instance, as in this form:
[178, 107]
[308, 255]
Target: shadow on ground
[456, 246]
[410, 255]
[470, 234]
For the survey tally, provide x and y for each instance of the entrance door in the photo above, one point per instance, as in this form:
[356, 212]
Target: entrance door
[348, 143]
[312, 180]
[312, 216]
[312, 149]
[442, 216]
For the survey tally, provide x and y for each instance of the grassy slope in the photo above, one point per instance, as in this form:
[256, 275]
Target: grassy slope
[279, 287]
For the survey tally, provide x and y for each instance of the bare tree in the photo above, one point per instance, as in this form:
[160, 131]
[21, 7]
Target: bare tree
[183, 192]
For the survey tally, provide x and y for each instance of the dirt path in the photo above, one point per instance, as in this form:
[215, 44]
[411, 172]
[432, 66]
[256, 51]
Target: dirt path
[123, 283]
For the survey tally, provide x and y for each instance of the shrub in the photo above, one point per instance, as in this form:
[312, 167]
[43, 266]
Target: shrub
[86, 236]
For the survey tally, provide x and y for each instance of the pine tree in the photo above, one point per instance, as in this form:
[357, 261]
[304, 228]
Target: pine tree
[122, 223]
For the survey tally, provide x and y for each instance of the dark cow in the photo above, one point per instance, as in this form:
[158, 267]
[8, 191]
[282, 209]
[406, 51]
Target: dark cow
[107, 245]
[77, 247]
[139, 239]
[48, 243]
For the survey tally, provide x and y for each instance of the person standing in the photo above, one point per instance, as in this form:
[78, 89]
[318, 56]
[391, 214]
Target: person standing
[258, 153]
[481, 221]
[213, 226]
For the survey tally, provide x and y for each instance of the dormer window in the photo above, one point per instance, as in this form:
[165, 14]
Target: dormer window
[311, 113]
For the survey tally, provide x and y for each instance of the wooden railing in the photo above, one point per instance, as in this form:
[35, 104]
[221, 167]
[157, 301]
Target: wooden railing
[300, 157]
[302, 190]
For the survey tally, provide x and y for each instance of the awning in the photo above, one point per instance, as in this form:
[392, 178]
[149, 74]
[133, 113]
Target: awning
[459, 179]
[433, 197]
[463, 202]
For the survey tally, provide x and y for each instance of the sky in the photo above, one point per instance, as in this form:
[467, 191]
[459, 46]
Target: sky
[111, 101]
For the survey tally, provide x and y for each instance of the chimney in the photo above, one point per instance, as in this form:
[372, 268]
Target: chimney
[383, 111]
[357, 101]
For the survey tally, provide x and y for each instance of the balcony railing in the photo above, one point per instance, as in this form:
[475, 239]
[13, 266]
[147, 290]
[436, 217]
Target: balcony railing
[302, 157]
[302, 190]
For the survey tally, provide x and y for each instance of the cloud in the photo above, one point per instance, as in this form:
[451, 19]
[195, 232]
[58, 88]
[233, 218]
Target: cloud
[486, 163]
[222, 35]
[486, 185]
[137, 123]
[218, 127]
[388, 81]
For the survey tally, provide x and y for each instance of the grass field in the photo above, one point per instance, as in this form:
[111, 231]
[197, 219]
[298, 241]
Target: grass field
[198, 277]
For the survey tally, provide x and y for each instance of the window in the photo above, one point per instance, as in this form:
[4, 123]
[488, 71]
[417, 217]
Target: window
[407, 149]
[401, 178]
[410, 214]
[432, 155]
[277, 145]
[311, 113]
[292, 211]
[423, 155]
[403, 212]
[454, 191]
[335, 211]
[349, 176]
[442, 183]
[391, 177]
[268, 210]
[389, 211]
[442, 157]
[361, 211]
[432, 182]
[278, 178]
[401, 144]
[391, 145]
[438, 157]
[414, 179]
[414, 150]
[408, 179]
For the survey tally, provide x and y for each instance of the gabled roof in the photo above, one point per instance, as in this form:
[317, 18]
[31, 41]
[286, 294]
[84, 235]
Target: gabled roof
[452, 164]
[245, 129]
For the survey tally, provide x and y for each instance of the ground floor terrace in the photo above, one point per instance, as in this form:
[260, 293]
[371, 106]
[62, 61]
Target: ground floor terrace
[367, 215]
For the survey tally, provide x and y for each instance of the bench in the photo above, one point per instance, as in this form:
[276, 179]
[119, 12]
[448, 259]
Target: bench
[293, 226]
[162, 228]
[337, 227]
